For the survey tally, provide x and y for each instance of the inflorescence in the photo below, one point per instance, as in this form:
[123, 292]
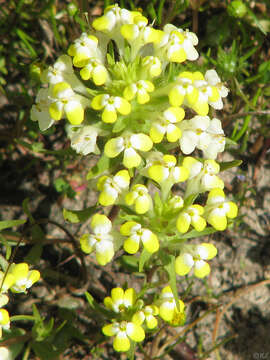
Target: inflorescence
[126, 96]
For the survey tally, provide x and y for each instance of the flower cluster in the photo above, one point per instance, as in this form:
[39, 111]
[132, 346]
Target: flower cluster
[138, 111]
[18, 279]
[132, 318]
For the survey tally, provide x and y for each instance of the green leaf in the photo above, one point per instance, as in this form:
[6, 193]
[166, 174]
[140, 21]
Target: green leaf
[26, 39]
[120, 124]
[102, 165]
[90, 299]
[170, 267]
[37, 233]
[230, 142]
[190, 199]
[61, 185]
[25, 206]
[34, 255]
[229, 164]
[158, 204]
[256, 21]
[151, 11]
[7, 246]
[36, 313]
[145, 256]
[46, 351]
[128, 210]
[48, 327]
[98, 308]
[190, 235]
[77, 216]
[10, 223]
[130, 261]
[3, 263]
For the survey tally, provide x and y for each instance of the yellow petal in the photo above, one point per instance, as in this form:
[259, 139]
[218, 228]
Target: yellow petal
[232, 213]
[135, 332]
[201, 269]
[183, 264]
[131, 158]
[183, 223]
[108, 330]
[126, 227]
[131, 246]
[142, 204]
[150, 241]
[158, 173]
[113, 147]
[117, 294]
[109, 116]
[97, 102]
[121, 342]
[74, 112]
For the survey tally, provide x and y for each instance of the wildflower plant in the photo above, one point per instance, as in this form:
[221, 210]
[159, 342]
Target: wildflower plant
[17, 278]
[125, 93]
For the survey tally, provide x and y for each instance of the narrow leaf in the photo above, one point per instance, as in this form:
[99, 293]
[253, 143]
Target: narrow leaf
[229, 164]
[145, 255]
[170, 267]
[25, 206]
[102, 165]
[90, 299]
[77, 216]
[10, 223]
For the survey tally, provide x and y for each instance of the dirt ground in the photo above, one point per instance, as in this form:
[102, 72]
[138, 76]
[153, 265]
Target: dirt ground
[238, 281]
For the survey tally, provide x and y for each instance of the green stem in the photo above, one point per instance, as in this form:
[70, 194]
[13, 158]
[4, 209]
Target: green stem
[22, 318]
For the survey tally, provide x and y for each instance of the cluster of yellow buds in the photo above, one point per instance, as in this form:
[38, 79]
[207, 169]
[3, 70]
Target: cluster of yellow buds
[124, 92]
[18, 278]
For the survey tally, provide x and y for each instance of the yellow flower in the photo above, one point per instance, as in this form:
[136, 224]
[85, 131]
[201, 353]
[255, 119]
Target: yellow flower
[101, 240]
[94, 70]
[191, 216]
[195, 258]
[166, 125]
[147, 314]
[151, 65]
[139, 197]
[120, 300]
[24, 278]
[128, 143]
[66, 102]
[166, 171]
[217, 209]
[124, 331]
[175, 45]
[202, 175]
[168, 309]
[140, 90]
[112, 187]
[114, 17]
[136, 234]
[83, 49]
[184, 90]
[111, 105]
